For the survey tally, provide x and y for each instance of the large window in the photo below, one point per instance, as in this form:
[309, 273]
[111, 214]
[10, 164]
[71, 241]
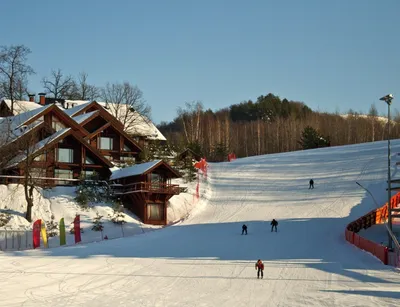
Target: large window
[64, 174]
[106, 143]
[156, 181]
[65, 155]
[155, 211]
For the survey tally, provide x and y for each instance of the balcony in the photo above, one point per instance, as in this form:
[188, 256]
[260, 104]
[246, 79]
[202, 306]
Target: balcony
[146, 187]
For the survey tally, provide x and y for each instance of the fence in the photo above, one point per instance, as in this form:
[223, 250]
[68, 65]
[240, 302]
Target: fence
[377, 216]
[15, 239]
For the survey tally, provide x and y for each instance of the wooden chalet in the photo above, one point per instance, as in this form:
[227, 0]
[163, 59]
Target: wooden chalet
[57, 146]
[105, 133]
[60, 147]
[145, 189]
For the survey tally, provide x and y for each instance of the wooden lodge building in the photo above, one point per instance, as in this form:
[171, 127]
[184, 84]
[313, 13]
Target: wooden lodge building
[60, 147]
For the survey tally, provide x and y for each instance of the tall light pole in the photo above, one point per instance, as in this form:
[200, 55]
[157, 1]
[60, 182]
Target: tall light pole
[388, 99]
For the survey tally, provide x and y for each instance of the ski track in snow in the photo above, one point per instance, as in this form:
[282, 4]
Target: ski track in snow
[205, 261]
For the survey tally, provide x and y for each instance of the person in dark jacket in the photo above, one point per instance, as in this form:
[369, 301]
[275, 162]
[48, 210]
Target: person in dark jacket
[274, 224]
[244, 229]
[311, 184]
[260, 268]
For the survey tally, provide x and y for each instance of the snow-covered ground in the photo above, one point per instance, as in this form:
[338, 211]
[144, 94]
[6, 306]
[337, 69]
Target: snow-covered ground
[204, 261]
[54, 204]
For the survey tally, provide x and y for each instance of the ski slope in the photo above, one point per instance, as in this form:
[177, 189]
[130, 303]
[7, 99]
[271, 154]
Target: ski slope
[204, 261]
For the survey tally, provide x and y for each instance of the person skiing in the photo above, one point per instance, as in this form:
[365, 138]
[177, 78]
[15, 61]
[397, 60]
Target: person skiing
[274, 224]
[311, 184]
[244, 229]
[260, 268]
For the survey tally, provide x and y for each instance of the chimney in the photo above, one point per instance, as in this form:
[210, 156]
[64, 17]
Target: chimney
[42, 98]
[31, 97]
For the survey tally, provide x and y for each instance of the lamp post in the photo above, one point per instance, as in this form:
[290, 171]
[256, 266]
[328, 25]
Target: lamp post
[388, 99]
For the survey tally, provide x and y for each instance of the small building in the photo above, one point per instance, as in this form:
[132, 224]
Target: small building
[145, 189]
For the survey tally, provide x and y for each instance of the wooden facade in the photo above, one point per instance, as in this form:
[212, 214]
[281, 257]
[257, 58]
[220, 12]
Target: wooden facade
[66, 146]
[147, 194]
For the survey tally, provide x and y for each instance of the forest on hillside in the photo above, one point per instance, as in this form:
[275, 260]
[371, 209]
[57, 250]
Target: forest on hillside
[270, 125]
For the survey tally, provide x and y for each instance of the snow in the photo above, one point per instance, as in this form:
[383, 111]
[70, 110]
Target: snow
[204, 261]
[71, 112]
[134, 170]
[21, 106]
[81, 118]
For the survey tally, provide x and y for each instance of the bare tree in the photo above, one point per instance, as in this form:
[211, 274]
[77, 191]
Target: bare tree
[58, 85]
[82, 90]
[125, 101]
[14, 71]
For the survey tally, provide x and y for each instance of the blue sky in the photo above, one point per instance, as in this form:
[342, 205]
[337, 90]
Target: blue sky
[332, 55]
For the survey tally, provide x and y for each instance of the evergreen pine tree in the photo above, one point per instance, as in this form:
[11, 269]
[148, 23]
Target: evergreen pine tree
[310, 138]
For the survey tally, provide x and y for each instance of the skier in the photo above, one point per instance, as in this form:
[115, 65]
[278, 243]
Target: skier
[311, 184]
[274, 223]
[244, 229]
[260, 268]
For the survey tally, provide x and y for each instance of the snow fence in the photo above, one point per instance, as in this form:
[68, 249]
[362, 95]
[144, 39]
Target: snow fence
[376, 216]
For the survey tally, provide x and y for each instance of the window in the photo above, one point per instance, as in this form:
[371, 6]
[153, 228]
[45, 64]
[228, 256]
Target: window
[37, 172]
[128, 159]
[88, 174]
[56, 124]
[65, 174]
[40, 158]
[65, 155]
[155, 211]
[156, 181]
[106, 143]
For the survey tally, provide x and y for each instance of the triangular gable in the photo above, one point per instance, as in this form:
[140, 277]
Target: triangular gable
[55, 138]
[142, 169]
[106, 116]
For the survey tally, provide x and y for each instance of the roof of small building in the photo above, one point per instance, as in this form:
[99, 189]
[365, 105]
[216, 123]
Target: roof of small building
[21, 106]
[135, 170]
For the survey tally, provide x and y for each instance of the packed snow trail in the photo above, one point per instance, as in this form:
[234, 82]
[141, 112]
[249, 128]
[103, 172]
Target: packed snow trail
[205, 261]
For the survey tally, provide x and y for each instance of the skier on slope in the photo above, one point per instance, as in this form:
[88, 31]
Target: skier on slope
[311, 184]
[260, 268]
[244, 229]
[274, 224]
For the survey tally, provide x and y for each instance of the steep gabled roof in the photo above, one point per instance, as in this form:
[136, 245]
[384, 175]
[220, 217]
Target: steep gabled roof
[78, 110]
[20, 106]
[142, 169]
[53, 139]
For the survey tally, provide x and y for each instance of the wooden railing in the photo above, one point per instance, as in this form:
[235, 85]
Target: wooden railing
[165, 188]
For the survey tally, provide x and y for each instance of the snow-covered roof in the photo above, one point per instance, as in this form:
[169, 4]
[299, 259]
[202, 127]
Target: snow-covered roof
[21, 106]
[81, 118]
[135, 124]
[38, 146]
[71, 112]
[134, 170]
[13, 127]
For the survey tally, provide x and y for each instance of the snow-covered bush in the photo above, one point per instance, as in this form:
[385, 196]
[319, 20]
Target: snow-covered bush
[97, 223]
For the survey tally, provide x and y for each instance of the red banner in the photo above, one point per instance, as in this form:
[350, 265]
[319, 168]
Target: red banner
[37, 226]
[231, 157]
[77, 228]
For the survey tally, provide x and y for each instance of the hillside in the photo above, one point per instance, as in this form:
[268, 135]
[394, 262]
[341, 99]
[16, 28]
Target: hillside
[269, 125]
[205, 261]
